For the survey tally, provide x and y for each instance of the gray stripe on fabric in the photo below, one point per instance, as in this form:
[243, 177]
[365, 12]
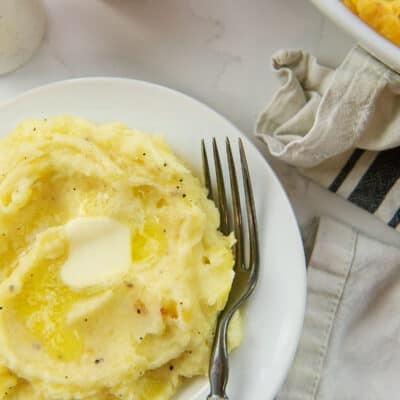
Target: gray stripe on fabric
[346, 169]
[373, 186]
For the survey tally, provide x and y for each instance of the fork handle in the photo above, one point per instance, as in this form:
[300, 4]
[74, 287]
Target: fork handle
[219, 365]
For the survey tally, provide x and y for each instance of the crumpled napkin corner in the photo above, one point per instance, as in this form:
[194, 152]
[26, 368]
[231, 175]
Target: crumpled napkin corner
[319, 113]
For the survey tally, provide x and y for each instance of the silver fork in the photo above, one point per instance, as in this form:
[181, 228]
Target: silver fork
[246, 268]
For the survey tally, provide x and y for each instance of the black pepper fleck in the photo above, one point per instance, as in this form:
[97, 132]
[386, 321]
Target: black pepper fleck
[74, 189]
[184, 195]
[165, 164]
[181, 180]
[138, 311]
[34, 129]
[66, 376]
[37, 346]
[171, 367]
[1, 307]
[11, 288]
[144, 154]
[85, 319]
[98, 360]
[140, 338]
[178, 187]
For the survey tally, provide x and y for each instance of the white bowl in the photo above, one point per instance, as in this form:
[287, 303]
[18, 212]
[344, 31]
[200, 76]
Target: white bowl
[373, 42]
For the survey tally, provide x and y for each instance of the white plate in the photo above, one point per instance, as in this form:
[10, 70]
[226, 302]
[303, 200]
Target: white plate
[373, 42]
[274, 314]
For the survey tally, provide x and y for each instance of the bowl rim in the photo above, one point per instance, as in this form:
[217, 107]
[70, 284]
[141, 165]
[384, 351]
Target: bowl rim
[377, 45]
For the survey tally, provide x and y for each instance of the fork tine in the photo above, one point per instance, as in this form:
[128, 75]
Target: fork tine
[206, 170]
[222, 204]
[251, 211]
[236, 208]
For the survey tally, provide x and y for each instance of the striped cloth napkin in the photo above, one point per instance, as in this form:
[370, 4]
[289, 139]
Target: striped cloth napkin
[341, 128]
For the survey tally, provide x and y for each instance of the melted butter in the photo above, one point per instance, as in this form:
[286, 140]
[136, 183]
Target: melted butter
[150, 242]
[152, 388]
[99, 250]
[42, 305]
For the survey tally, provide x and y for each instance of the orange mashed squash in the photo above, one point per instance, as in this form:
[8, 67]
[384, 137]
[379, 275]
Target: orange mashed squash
[381, 15]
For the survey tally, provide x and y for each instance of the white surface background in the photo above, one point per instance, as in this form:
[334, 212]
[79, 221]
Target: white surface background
[216, 51]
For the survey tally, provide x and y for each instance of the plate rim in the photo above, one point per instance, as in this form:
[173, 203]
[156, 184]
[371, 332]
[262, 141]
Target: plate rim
[299, 323]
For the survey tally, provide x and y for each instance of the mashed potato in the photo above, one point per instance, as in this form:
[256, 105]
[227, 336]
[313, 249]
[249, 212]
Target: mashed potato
[112, 270]
[382, 15]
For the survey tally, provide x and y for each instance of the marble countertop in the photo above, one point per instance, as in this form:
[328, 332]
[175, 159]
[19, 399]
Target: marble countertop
[216, 51]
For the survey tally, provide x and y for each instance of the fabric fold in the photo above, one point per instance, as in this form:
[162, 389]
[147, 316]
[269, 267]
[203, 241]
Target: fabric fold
[340, 128]
[326, 282]
[349, 345]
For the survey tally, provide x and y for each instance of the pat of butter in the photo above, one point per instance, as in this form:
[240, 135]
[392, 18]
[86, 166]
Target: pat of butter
[99, 250]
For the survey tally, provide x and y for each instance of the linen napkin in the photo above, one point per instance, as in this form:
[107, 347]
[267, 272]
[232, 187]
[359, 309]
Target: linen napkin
[341, 128]
[350, 346]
